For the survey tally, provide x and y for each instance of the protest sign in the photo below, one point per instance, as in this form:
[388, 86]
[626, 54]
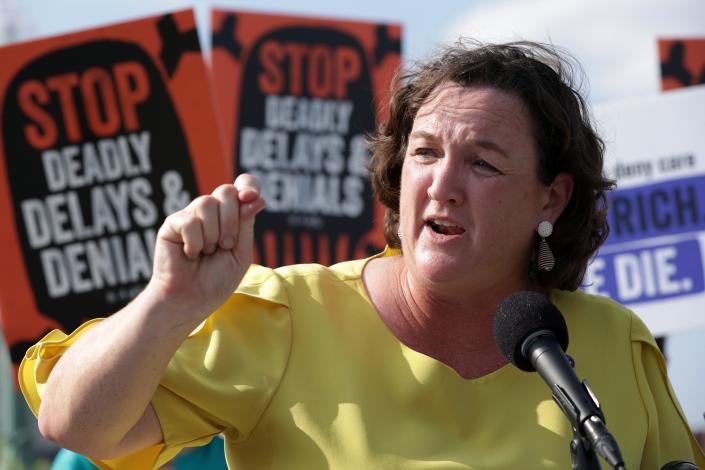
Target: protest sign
[104, 133]
[654, 256]
[297, 97]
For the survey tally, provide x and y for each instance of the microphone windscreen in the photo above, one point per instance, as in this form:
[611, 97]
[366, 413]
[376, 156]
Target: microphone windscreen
[680, 465]
[520, 315]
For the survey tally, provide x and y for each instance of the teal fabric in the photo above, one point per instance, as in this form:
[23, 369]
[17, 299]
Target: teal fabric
[208, 457]
[68, 460]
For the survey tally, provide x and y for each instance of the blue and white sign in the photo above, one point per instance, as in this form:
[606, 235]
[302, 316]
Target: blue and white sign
[653, 260]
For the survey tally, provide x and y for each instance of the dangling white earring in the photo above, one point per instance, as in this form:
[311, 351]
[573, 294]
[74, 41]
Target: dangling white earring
[399, 232]
[546, 260]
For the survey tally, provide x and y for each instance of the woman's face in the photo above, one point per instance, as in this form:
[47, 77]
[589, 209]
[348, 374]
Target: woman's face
[470, 196]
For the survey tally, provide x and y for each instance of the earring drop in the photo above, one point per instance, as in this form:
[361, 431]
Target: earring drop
[546, 260]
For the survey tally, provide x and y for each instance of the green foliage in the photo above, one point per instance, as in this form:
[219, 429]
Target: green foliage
[11, 460]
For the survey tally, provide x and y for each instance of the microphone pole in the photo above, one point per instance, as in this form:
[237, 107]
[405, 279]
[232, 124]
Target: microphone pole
[577, 402]
[531, 333]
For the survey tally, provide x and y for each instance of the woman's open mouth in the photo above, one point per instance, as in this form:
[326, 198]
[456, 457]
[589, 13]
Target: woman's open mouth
[445, 228]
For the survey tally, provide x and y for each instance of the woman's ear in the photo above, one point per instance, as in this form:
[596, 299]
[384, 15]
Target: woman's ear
[559, 193]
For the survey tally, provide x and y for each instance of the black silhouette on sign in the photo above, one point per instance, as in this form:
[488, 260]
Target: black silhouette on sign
[175, 43]
[385, 44]
[674, 65]
[225, 37]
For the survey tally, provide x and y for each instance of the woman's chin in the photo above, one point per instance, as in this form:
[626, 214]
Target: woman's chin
[441, 267]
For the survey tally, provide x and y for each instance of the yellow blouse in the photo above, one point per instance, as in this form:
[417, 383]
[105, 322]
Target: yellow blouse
[297, 370]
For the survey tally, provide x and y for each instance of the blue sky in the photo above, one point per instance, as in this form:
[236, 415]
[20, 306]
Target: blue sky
[615, 40]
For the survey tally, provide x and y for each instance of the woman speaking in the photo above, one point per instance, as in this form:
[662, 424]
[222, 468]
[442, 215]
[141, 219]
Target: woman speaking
[491, 173]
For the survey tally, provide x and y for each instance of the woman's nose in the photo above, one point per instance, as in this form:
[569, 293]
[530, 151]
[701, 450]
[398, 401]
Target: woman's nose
[448, 182]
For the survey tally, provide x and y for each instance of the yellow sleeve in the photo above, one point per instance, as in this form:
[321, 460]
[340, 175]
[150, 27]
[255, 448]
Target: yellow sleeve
[221, 378]
[40, 359]
[34, 371]
[224, 375]
[669, 437]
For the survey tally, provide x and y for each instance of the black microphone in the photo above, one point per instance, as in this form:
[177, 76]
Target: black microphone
[680, 465]
[531, 334]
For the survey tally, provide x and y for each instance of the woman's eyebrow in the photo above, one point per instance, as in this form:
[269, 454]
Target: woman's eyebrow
[422, 135]
[486, 144]
[489, 145]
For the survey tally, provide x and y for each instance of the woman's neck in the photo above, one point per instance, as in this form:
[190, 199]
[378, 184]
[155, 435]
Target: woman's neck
[452, 327]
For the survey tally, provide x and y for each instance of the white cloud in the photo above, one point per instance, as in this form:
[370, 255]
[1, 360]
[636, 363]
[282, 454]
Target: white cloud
[614, 40]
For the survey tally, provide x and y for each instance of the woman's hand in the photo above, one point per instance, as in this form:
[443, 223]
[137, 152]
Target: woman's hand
[203, 251]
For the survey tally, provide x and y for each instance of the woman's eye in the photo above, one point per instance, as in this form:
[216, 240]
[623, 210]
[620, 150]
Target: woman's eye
[482, 164]
[423, 152]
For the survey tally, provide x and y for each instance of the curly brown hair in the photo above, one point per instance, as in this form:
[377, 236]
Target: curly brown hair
[544, 78]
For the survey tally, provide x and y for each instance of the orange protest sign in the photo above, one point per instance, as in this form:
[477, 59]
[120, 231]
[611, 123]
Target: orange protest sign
[296, 97]
[682, 62]
[104, 133]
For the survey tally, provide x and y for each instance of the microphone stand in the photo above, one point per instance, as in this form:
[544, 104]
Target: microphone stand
[582, 454]
[577, 402]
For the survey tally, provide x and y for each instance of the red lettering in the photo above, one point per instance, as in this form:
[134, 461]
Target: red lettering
[133, 88]
[320, 71]
[108, 99]
[349, 67]
[97, 89]
[63, 85]
[297, 53]
[42, 133]
[271, 81]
